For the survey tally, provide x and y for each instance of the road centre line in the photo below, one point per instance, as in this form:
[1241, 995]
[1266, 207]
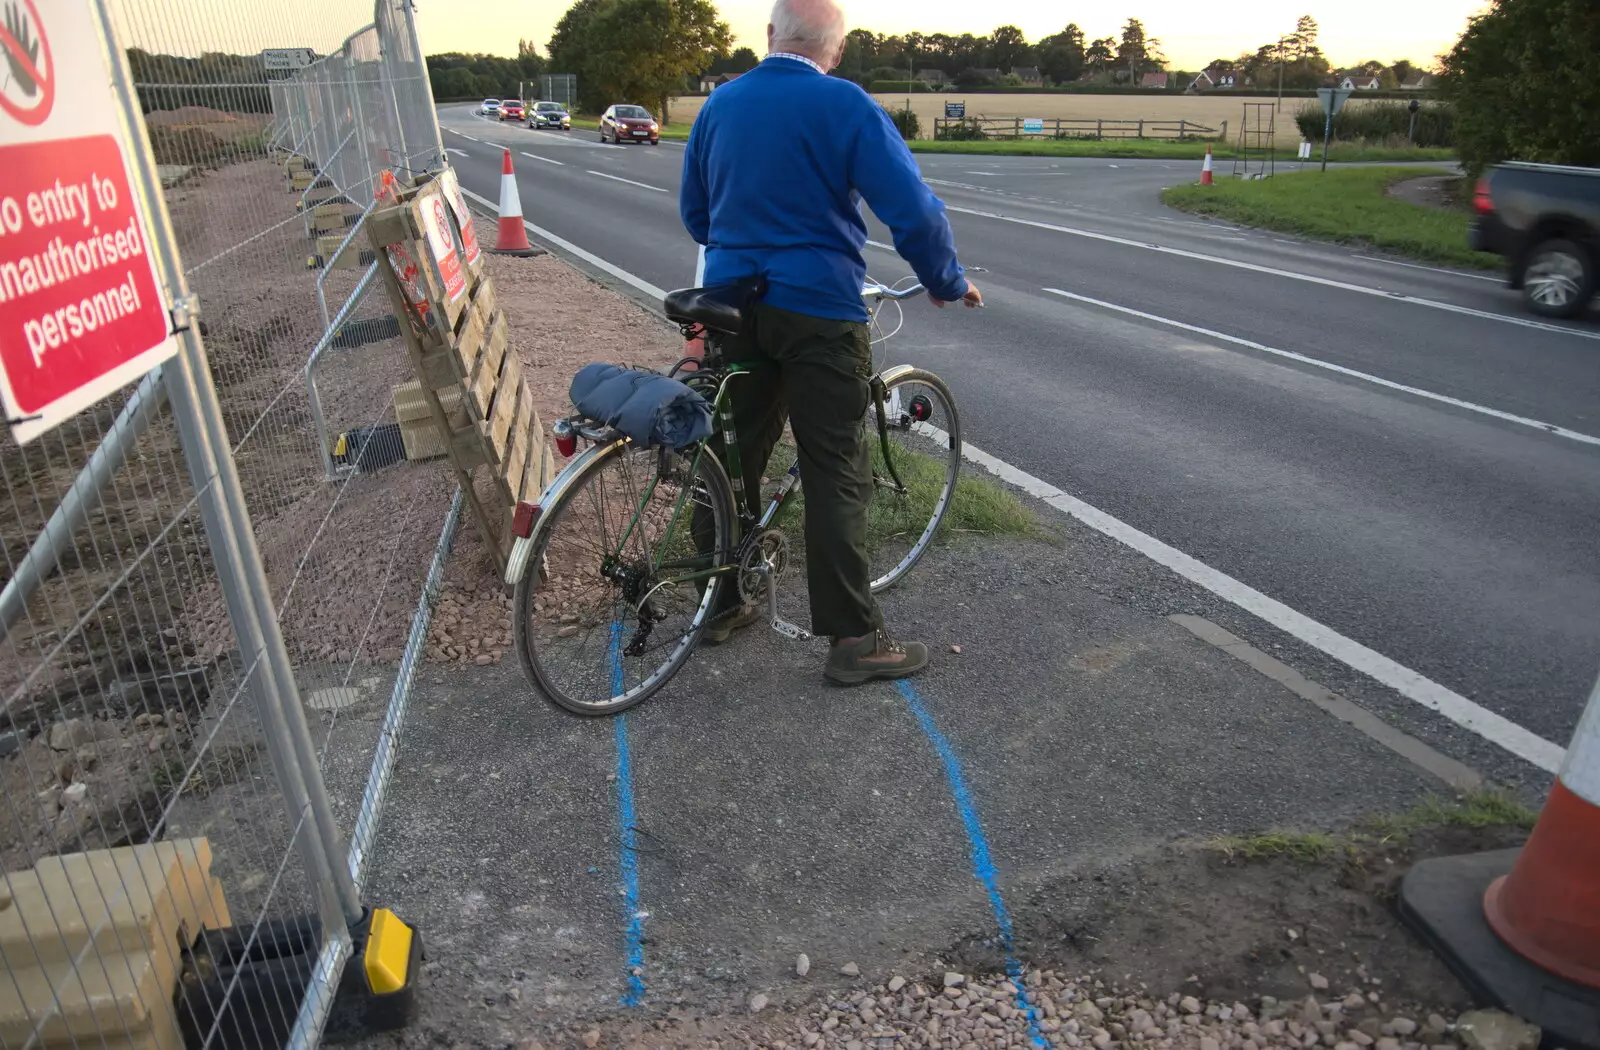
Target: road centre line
[1240, 264]
[630, 182]
[1366, 377]
[978, 846]
[547, 160]
[572, 249]
[1410, 684]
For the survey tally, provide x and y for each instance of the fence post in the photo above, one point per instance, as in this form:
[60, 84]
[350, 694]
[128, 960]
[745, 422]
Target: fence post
[1099, 128]
[1016, 128]
[239, 567]
[1141, 127]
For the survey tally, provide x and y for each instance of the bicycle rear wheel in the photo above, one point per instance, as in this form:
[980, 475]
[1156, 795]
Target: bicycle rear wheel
[621, 590]
[921, 442]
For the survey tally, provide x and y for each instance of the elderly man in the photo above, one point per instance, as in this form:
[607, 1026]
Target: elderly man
[776, 168]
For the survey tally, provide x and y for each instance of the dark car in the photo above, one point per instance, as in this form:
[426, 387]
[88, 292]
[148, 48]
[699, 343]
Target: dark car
[550, 115]
[1545, 220]
[512, 109]
[629, 124]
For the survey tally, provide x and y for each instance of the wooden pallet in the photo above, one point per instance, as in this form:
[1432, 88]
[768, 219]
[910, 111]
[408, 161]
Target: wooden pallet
[469, 381]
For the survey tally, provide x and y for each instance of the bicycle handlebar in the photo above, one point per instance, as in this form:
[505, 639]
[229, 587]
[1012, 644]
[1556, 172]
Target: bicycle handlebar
[873, 290]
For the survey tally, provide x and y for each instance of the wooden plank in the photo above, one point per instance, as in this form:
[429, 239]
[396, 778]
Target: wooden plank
[509, 477]
[483, 297]
[531, 482]
[300, 180]
[486, 376]
[469, 345]
[410, 403]
[507, 406]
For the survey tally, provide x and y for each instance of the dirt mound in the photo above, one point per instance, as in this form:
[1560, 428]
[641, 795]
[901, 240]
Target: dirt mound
[196, 146]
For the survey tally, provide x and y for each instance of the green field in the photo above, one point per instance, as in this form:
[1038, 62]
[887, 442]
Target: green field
[1347, 205]
[1159, 150]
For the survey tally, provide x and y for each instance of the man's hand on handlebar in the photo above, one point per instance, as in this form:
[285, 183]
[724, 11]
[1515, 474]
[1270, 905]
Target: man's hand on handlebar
[973, 299]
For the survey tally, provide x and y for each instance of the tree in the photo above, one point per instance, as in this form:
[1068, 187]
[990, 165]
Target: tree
[637, 50]
[1008, 48]
[1101, 53]
[1134, 50]
[743, 60]
[1525, 81]
[1061, 56]
[1404, 70]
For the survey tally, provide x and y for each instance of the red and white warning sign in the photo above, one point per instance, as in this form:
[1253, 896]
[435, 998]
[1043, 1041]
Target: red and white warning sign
[81, 309]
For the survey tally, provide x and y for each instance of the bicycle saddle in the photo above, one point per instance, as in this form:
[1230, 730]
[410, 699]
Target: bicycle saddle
[721, 309]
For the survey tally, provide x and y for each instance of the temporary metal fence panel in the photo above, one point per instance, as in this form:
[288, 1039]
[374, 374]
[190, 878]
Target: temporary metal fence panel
[213, 606]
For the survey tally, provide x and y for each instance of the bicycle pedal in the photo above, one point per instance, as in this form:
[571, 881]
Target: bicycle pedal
[789, 630]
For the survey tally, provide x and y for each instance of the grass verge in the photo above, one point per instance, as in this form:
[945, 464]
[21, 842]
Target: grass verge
[1486, 808]
[981, 506]
[1349, 206]
[1159, 150]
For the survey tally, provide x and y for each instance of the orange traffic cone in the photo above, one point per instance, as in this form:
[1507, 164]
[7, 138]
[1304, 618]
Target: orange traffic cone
[1205, 169]
[1521, 928]
[1548, 909]
[513, 239]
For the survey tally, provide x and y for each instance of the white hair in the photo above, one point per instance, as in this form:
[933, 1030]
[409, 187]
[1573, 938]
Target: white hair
[808, 24]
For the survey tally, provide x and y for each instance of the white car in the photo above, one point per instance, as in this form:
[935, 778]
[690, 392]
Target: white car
[490, 108]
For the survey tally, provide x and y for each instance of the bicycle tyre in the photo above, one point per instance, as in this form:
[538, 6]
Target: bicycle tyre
[901, 528]
[534, 617]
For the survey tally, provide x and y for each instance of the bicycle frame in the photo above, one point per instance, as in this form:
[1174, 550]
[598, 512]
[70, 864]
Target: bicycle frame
[751, 526]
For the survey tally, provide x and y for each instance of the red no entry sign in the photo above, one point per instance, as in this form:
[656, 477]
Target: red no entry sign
[82, 311]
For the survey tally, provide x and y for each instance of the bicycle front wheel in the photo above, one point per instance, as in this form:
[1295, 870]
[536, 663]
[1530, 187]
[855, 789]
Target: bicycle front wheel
[916, 458]
[622, 579]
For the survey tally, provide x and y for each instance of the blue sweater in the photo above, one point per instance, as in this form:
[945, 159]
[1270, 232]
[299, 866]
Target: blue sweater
[777, 165]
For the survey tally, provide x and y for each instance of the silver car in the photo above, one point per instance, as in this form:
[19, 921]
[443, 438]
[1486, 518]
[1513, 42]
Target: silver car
[549, 115]
[489, 108]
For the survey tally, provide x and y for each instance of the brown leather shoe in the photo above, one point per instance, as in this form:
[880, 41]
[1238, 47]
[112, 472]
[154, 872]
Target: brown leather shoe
[723, 627]
[874, 657]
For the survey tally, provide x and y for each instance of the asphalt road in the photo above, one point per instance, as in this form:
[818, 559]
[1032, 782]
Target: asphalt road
[1419, 522]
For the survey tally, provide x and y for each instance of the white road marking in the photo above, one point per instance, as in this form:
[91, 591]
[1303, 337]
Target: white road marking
[1547, 428]
[567, 246]
[1326, 282]
[630, 182]
[1408, 683]
[1472, 717]
[547, 160]
[457, 152]
[995, 173]
[885, 247]
[1433, 269]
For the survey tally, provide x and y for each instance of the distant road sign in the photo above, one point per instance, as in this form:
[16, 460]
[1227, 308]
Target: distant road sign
[287, 57]
[1033, 125]
[1333, 99]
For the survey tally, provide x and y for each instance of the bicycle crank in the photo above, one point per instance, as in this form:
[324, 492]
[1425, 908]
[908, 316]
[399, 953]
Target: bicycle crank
[779, 624]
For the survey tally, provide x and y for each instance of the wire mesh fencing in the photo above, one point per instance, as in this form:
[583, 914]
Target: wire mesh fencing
[217, 580]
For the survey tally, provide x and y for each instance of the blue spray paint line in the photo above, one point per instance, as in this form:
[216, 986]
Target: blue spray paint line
[982, 865]
[634, 935]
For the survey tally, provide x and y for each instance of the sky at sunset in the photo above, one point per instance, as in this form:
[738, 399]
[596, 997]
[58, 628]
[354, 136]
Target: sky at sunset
[1192, 31]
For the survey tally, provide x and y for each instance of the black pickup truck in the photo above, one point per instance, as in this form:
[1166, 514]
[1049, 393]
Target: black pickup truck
[1545, 220]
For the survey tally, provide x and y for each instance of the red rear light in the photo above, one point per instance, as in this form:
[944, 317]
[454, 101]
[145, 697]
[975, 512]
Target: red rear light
[522, 519]
[1482, 203]
[567, 444]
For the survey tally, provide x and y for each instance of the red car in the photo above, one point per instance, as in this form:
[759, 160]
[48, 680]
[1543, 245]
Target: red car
[513, 109]
[629, 124]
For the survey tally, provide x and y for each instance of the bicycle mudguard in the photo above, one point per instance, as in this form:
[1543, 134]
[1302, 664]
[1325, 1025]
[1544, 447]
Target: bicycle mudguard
[522, 549]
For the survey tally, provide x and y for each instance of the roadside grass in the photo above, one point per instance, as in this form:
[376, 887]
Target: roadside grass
[1485, 808]
[981, 506]
[1152, 149]
[1348, 206]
